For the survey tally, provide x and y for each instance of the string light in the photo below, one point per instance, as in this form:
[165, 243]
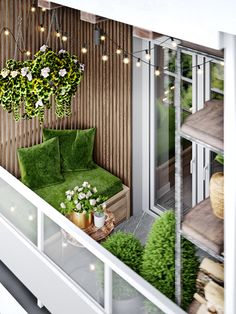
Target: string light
[30, 217]
[64, 38]
[12, 209]
[44, 9]
[166, 92]
[126, 59]
[103, 36]
[58, 34]
[28, 53]
[138, 63]
[104, 57]
[199, 70]
[172, 87]
[164, 99]
[222, 63]
[84, 49]
[42, 28]
[157, 71]
[92, 267]
[118, 50]
[33, 7]
[6, 31]
[173, 42]
[147, 55]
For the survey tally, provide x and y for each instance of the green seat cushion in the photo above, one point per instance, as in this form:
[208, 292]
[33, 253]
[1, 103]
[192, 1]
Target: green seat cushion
[106, 183]
[76, 147]
[40, 164]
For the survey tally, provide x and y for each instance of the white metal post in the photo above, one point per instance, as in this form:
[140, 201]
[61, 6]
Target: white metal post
[108, 289]
[40, 239]
[230, 172]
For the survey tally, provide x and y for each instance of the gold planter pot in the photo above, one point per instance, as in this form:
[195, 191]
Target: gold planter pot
[217, 194]
[81, 220]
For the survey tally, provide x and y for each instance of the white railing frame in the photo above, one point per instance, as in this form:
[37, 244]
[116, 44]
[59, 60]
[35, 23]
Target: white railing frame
[109, 260]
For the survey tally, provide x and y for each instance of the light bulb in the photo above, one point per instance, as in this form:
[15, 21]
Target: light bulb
[30, 217]
[164, 99]
[58, 34]
[147, 55]
[33, 9]
[103, 37]
[64, 38]
[222, 63]
[126, 59]
[12, 209]
[44, 9]
[28, 53]
[6, 31]
[157, 71]
[104, 57]
[92, 267]
[42, 29]
[166, 92]
[173, 42]
[138, 63]
[118, 50]
[84, 48]
[64, 244]
[172, 87]
[199, 70]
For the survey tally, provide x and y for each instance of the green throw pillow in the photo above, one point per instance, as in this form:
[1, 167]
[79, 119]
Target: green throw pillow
[76, 147]
[40, 164]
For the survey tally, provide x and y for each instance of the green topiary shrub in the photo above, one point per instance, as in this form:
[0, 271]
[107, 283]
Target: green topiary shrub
[158, 266]
[125, 247]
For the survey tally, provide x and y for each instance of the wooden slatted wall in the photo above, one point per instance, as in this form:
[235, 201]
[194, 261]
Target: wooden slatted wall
[103, 99]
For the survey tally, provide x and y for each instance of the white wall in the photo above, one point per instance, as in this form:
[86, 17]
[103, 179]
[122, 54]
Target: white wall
[196, 21]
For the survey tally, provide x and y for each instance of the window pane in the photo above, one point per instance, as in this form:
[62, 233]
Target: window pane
[217, 76]
[186, 65]
[215, 95]
[169, 59]
[186, 96]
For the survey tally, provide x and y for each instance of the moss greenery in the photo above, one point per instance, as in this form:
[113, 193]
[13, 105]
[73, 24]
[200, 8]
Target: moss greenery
[29, 84]
[158, 266]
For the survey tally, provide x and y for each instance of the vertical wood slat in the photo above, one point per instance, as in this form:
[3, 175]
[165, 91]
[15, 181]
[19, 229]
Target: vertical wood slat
[103, 99]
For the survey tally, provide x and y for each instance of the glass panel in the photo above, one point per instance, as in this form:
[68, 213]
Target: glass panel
[186, 96]
[169, 59]
[75, 260]
[217, 76]
[19, 211]
[215, 95]
[126, 299]
[186, 65]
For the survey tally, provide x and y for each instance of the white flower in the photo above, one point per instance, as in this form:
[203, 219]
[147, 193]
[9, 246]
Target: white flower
[92, 202]
[95, 190]
[14, 73]
[76, 188]
[24, 71]
[68, 197]
[63, 205]
[43, 48]
[81, 66]
[98, 199]
[61, 51]
[104, 205]
[85, 184]
[88, 194]
[62, 72]
[39, 103]
[75, 61]
[81, 196]
[80, 189]
[76, 202]
[78, 206]
[72, 193]
[29, 76]
[89, 186]
[45, 72]
[68, 192]
[5, 73]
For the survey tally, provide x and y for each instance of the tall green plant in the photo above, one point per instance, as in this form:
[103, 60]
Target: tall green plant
[158, 266]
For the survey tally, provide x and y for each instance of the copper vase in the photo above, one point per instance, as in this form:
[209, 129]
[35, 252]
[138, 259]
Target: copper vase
[82, 220]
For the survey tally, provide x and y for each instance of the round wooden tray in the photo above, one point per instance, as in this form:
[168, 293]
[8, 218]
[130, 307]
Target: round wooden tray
[97, 234]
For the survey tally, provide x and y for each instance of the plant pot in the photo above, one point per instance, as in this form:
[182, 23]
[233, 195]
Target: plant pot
[99, 219]
[217, 194]
[82, 220]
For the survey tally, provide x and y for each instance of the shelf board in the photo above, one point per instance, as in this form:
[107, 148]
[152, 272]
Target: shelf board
[204, 229]
[206, 126]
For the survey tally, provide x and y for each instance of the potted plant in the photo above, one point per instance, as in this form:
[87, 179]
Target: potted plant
[80, 203]
[99, 215]
[158, 264]
[217, 190]
[129, 250]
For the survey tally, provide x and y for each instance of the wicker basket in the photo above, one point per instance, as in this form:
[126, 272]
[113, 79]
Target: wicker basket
[217, 194]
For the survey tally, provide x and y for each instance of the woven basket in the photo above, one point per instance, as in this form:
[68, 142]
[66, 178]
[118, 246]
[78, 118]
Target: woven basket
[217, 194]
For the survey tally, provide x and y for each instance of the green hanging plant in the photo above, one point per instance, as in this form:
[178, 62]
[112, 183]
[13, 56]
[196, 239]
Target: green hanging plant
[30, 84]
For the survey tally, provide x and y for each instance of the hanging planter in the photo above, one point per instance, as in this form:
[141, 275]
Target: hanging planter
[30, 84]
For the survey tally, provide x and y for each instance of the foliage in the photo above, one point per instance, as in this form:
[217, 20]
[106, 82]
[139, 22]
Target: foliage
[158, 266]
[129, 250]
[220, 159]
[29, 84]
[84, 198]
